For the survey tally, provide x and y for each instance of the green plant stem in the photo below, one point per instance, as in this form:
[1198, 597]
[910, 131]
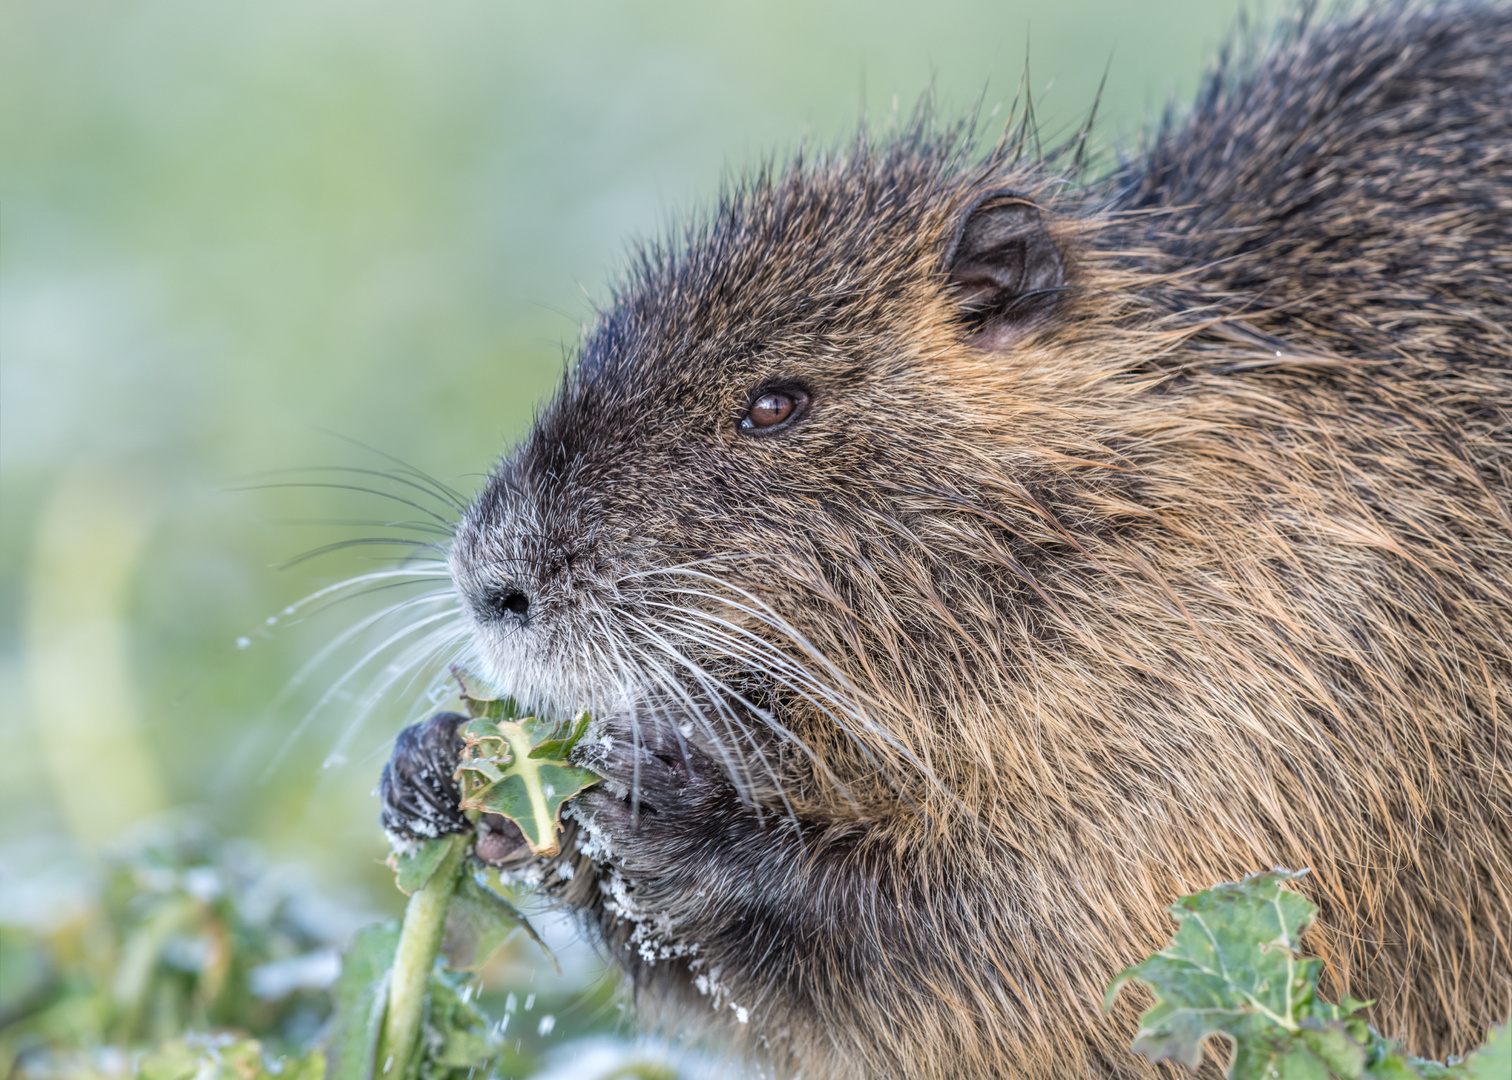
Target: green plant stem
[419, 941]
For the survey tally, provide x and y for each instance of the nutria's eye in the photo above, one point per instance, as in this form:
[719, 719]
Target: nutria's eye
[774, 409]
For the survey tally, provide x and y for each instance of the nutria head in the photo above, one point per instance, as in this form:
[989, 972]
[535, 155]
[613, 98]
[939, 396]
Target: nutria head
[726, 496]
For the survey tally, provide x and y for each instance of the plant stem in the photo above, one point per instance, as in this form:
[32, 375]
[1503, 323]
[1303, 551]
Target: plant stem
[419, 941]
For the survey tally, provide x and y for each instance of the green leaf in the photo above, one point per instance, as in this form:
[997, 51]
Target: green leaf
[1332, 1043]
[1394, 1065]
[359, 996]
[172, 1061]
[137, 973]
[500, 773]
[415, 869]
[1233, 969]
[491, 708]
[1264, 1052]
[479, 923]
[26, 974]
[484, 748]
[561, 748]
[457, 1040]
[484, 708]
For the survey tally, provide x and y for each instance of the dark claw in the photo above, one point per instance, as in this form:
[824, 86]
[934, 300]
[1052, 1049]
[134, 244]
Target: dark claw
[418, 787]
[652, 779]
[604, 812]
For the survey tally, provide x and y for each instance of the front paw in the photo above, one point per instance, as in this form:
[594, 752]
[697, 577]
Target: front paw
[661, 795]
[419, 787]
[421, 798]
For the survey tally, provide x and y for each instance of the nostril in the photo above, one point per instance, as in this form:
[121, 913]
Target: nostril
[504, 601]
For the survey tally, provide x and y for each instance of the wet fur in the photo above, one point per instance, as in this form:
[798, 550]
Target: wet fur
[919, 714]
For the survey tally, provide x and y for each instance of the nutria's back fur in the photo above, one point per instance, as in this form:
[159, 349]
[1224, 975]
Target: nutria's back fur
[1138, 534]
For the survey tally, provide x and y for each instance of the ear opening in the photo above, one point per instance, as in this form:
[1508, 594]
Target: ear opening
[1007, 272]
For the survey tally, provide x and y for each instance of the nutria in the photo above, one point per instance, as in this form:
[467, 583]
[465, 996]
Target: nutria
[966, 555]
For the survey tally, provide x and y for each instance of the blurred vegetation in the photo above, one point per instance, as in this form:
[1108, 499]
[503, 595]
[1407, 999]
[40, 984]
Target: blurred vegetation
[195, 951]
[231, 230]
[184, 935]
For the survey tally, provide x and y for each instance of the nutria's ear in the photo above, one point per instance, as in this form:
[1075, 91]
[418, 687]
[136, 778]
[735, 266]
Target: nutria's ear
[1006, 270]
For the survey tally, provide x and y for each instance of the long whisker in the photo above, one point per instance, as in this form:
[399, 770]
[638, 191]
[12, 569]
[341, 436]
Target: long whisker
[707, 560]
[720, 690]
[659, 677]
[452, 502]
[335, 689]
[771, 663]
[763, 612]
[845, 713]
[755, 652]
[728, 714]
[361, 579]
[357, 587]
[776, 659]
[450, 495]
[372, 590]
[369, 523]
[409, 663]
[331, 486]
[362, 541]
[314, 664]
[752, 651]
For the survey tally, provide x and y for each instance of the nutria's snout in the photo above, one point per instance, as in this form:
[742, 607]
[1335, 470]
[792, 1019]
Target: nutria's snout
[495, 566]
[536, 589]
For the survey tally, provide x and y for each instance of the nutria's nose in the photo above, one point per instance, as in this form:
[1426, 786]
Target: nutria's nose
[503, 601]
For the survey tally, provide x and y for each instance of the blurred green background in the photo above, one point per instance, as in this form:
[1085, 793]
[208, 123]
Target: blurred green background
[234, 235]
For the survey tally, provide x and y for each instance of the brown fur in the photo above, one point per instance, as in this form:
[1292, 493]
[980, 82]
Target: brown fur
[919, 715]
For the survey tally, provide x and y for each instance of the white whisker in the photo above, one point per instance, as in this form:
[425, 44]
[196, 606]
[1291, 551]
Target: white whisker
[316, 662]
[407, 664]
[362, 579]
[720, 702]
